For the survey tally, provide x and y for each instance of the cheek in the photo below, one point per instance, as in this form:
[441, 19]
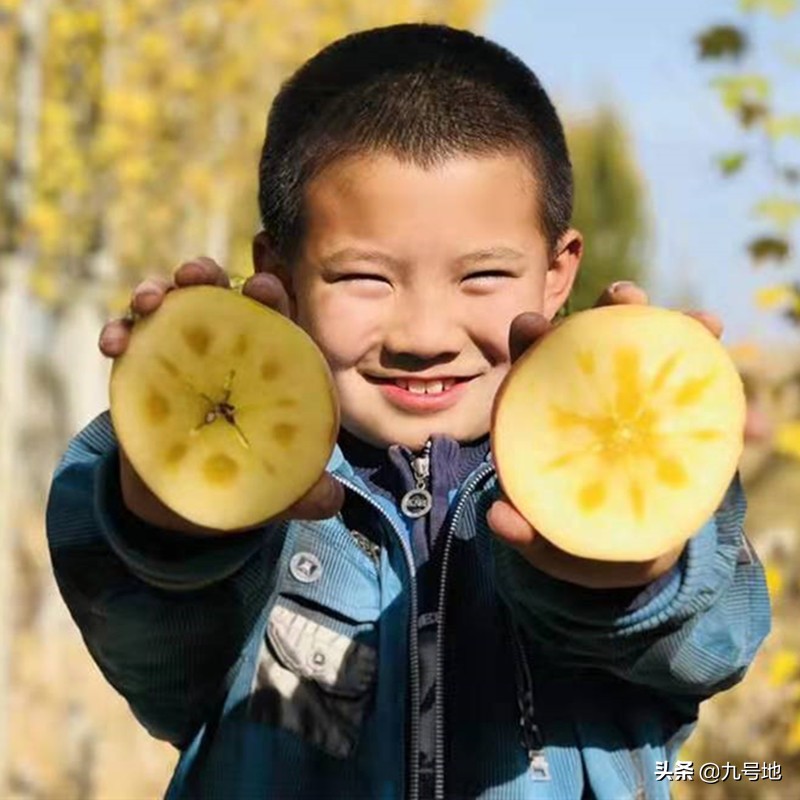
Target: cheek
[343, 329]
[490, 321]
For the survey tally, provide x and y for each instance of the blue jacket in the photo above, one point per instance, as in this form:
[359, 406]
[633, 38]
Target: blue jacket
[316, 660]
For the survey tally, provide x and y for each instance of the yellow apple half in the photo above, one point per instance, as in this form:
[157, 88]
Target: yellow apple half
[226, 409]
[617, 435]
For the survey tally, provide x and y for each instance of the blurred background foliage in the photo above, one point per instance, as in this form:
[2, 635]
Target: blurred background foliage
[610, 204]
[129, 139]
[760, 720]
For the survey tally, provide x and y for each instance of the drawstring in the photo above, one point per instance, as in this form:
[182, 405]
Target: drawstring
[531, 736]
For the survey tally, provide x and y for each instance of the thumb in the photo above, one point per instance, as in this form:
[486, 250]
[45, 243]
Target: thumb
[508, 525]
[323, 500]
[526, 329]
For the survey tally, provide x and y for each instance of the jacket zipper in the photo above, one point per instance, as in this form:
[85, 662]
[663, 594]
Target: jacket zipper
[413, 780]
[439, 783]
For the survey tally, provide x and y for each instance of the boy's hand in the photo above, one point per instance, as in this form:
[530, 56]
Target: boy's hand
[323, 500]
[510, 526]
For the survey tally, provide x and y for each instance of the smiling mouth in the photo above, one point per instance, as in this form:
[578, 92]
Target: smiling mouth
[420, 387]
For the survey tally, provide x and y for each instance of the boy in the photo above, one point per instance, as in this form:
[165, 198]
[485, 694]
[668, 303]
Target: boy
[415, 192]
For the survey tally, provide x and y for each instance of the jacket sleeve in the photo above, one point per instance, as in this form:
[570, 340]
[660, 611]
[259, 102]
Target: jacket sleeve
[164, 615]
[693, 636]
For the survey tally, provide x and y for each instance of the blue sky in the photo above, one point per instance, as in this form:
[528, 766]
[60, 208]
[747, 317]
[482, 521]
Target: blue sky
[641, 56]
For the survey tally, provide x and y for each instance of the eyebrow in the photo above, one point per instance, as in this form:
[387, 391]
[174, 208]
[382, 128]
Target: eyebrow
[341, 257]
[492, 254]
[377, 257]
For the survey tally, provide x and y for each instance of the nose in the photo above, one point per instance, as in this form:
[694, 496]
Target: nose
[422, 328]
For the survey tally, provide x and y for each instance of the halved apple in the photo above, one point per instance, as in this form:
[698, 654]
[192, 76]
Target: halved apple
[226, 409]
[617, 435]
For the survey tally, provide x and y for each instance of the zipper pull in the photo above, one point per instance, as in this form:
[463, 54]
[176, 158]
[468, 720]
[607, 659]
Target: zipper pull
[371, 549]
[539, 768]
[418, 502]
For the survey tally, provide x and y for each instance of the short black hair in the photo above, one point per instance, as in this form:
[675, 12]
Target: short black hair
[421, 92]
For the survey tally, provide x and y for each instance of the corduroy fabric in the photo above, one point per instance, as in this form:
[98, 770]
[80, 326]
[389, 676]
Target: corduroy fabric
[616, 687]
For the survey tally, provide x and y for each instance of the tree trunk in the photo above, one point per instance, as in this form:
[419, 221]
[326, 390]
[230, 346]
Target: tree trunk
[76, 344]
[13, 363]
[15, 270]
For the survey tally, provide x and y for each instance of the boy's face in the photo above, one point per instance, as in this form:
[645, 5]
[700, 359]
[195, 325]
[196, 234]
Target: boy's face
[392, 283]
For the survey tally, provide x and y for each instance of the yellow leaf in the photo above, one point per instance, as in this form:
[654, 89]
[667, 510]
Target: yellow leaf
[44, 286]
[183, 78]
[783, 667]
[774, 579]
[46, 224]
[744, 351]
[773, 296]
[778, 8]
[134, 170]
[793, 739]
[787, 439]
[153, 47]
[736, 89]
[780, 210]
[776, 127]
[118, 300]
[194, 24]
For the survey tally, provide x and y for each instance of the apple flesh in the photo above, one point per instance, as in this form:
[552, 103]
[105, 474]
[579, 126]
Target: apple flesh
[617, 435]
[226, 409]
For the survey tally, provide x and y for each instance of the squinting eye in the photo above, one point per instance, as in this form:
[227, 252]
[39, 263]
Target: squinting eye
[360, 277]
[489, 274]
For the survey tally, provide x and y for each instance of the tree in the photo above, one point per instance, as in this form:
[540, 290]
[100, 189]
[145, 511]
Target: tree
[760, 721]
[129, 140]
[609, 205]
[766, 127]
[768, 131]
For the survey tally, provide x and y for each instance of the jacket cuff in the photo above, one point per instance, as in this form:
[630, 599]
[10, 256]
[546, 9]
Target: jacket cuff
[635, 597]
[704, 570]
[165, 559]
[530, 588]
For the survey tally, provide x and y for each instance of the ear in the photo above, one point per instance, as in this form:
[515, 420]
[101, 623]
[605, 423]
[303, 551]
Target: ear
[266, 259]
[562, 272]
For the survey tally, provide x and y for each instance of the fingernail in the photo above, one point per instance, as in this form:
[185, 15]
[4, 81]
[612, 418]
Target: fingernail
[272, 280]
[108, 339]
[147, 288]
[617, 285]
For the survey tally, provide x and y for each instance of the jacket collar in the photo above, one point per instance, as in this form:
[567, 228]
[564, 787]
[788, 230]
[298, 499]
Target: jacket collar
[353, 459]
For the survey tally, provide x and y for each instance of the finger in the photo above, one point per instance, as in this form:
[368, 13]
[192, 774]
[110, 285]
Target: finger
[323, 500]
[267, 289]
[509, 525]
[757, 425]
[712, 322]
[149, 295]
[621, 293]
[526, 329]
[201, 270]
[114, 337]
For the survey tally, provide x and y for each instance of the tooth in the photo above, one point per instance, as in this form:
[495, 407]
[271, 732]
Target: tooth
[416, 387]
[403, 384]
[433, 387]
[446, 384]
